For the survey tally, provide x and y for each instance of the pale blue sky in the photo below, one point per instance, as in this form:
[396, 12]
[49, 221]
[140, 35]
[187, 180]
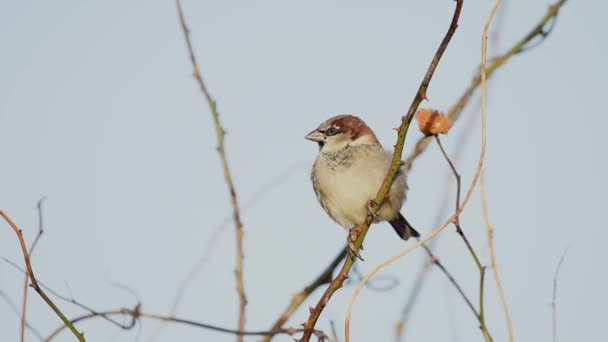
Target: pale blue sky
[99, 113]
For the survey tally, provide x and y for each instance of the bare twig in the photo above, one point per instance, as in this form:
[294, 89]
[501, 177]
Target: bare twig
[484, 96]
[37, 288]
[136, 313]
[480, 267]
[240, 287]
[388, 180]
[70, 300]
[26, 281]
[490, 233]
[456, 175]
[554, 296]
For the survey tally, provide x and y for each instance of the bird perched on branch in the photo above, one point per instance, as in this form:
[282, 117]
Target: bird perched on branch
[348, 172]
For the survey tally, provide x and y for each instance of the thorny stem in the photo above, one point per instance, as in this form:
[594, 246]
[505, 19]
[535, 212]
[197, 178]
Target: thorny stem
[37, 288]
[490, 234]
[388, 180]
[240, 287]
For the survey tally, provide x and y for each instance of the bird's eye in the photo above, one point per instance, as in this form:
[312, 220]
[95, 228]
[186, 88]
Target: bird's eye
[331, 131]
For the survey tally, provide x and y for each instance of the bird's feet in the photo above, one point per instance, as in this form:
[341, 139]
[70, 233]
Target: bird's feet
[353, 234]
[372, 203]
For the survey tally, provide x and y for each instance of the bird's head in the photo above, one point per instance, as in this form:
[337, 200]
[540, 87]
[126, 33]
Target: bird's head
[341, 131]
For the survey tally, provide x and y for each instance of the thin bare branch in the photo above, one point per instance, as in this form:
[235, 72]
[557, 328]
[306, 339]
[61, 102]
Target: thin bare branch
[67, 299]
[37, 288]
[26, 281]
[554, 296]
[490, 233]
[136, 313]
[240, 286]
[481, 268]
[484, 97]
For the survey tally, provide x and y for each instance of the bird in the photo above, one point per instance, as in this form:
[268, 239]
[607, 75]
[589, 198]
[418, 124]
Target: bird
[348, 172]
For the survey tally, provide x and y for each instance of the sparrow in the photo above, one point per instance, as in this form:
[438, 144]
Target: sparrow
[349, 171]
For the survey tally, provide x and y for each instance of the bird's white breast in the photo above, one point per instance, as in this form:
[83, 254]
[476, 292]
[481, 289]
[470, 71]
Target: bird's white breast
[346, 180]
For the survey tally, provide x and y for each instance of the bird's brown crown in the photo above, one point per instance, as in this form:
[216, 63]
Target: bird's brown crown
[353, 126]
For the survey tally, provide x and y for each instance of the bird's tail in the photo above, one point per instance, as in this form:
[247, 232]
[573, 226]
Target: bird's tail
[403, 228]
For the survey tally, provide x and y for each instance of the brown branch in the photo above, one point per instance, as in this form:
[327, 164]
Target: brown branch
[388, 180]
[300, 297]
[37, 288]
[520, 46]
[137, 313]
[554, 296]
[240, 287]
[26, 281]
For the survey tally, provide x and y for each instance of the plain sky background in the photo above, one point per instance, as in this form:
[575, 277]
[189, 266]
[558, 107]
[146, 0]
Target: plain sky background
[100, 114]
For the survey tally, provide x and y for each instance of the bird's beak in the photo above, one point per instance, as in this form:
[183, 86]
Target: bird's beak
[315, 136]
